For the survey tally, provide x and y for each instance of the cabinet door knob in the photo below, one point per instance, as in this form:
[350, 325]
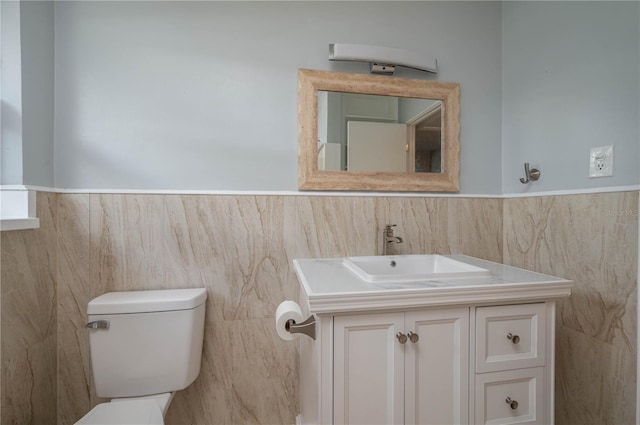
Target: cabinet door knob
[514, 338]
[401, 337]
[512, 403]
[413, 337]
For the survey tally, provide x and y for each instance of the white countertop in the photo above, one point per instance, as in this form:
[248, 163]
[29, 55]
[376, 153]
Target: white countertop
[329, 287]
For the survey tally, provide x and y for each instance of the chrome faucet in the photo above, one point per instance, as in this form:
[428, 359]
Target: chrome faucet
[387, 238]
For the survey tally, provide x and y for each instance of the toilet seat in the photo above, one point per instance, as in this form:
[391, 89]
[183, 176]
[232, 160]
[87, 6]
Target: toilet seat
[134, 412]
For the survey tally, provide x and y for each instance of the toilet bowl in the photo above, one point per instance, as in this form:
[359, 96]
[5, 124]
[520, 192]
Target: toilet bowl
[145, 346]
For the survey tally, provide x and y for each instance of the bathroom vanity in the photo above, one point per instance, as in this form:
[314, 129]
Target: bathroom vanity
[427, 340]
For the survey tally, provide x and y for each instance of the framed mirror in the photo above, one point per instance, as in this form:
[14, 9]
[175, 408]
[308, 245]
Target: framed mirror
[377, 133]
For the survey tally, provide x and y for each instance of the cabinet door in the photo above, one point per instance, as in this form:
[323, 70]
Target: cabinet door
[368, 369]
[437, 367]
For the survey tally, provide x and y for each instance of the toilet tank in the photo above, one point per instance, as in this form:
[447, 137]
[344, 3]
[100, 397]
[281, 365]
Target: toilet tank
[153, 342]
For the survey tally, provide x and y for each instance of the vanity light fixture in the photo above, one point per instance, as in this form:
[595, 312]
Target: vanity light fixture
[383, 60]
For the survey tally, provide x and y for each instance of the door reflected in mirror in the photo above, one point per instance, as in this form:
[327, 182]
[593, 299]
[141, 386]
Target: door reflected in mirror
[364, 132]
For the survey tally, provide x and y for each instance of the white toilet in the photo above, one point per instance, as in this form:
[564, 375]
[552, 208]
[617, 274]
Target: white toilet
[145, 346]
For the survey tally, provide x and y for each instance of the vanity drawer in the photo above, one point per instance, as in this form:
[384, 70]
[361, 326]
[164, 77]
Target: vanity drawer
[510, 337]
[510, 397]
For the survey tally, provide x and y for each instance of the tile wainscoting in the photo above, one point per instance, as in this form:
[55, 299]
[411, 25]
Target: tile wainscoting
[240, 248]
[592, 240]
[28, 319]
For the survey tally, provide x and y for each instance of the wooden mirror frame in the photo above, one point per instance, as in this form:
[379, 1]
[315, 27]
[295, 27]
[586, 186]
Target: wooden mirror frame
[310, 178]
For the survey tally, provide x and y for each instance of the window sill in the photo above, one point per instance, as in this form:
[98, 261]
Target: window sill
[17, 208]
[19, 224]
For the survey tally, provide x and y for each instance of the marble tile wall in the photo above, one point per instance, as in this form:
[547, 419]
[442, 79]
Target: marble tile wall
[240, 248]
[592, 240]
[28, 320]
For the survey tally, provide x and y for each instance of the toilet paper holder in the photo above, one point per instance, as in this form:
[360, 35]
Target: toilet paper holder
[308, 327]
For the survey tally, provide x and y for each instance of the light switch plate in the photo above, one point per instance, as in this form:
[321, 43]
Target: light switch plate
[601, 162]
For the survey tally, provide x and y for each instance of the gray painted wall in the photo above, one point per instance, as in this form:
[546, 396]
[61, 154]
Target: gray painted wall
[27, 93]
[570, 82]
[11, 108]
[203, 95]
[37, 29]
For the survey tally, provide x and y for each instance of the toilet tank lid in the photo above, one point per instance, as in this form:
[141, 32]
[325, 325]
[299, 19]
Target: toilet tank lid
[147, 301]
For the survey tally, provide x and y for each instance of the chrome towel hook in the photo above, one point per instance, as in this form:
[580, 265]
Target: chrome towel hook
[529, 174]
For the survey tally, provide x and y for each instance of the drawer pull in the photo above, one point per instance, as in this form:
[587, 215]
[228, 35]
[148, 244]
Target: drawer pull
[402, 338]
[514, 338]
[413, 337]
[512, 403]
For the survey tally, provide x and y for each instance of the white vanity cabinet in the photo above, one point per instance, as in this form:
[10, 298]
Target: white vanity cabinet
[470, 351]
[397, 368]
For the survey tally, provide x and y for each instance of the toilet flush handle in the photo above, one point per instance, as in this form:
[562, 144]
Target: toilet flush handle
[98, 324]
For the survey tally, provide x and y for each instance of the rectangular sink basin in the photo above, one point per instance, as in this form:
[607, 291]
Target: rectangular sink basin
[407, 268]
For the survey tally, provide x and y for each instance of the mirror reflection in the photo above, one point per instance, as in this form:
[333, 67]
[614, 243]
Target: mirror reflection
[365, 132]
